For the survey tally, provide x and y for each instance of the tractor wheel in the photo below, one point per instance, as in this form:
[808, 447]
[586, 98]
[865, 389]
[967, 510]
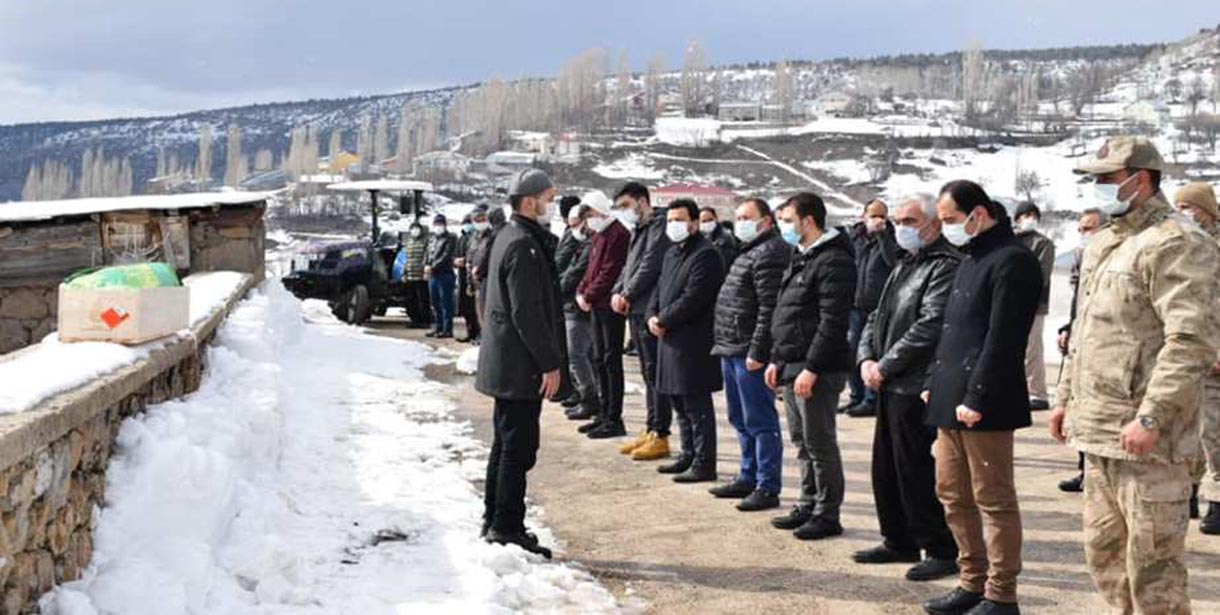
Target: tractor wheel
[339, 308]
[359, 309]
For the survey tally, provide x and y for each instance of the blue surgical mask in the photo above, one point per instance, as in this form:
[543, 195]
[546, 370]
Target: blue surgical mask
[746, 230]
[908, 238]
[789, 233]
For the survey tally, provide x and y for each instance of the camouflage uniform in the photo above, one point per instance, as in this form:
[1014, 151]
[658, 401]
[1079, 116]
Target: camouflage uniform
[1143, 339]
[1207, 469]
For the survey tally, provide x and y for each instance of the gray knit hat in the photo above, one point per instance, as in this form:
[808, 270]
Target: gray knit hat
[529, 182]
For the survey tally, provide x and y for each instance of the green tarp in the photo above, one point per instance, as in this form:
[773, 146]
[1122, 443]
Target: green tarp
[125, 277]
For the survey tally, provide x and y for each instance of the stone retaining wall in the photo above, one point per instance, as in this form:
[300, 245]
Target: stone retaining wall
[27, 314]
[53, 461]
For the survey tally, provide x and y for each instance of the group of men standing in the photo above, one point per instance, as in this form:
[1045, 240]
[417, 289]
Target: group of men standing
[943, 303]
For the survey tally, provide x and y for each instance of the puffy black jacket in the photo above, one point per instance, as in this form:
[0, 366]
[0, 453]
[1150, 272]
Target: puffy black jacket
[876, 256]
[811, 316]
[523, 334]
[725, 243]
[901, 334]
[644, 257]
[441, 251]
[980, 360]
[747, 298]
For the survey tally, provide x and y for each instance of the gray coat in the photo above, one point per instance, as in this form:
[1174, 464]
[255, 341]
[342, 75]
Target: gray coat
[1044, 249]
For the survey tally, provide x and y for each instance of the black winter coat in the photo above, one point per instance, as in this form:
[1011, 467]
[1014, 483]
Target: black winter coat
[441, 251]
[638, 281]
[685, 305]
[811, 316]
[980, 361]
[726, 245]
[574, 271]
[876, 257]
[523, 333]
[747, 298]
[901, 334]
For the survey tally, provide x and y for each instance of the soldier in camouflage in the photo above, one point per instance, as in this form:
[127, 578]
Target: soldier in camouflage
[1144, 338]
[1198, 201]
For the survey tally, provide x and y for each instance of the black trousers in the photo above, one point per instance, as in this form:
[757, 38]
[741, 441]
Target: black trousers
[466, 304]
[608, 363]
[514, 450]
[419, 304]
[660, 408]
[697, 422]
[904, 479]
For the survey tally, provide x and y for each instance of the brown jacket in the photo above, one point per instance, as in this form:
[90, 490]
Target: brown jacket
[1145, 333]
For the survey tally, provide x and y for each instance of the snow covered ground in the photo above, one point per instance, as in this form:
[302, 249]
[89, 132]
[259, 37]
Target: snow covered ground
[315, 471]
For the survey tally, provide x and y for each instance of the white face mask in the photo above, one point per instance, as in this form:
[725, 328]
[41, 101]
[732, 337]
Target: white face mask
[908, 238]
[746, 230]
[438, 230]
[1107, 199]
[578, 233]
[1027, 224]
[677, 231]
[598, 223]
[707, 227]
[416, 232]
[956, 233]
[481, 226]
[628, 217]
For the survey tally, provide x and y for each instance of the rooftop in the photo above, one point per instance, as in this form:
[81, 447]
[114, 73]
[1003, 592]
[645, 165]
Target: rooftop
[33, 211]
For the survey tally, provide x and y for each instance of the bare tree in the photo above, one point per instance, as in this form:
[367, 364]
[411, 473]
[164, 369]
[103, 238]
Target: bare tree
[652, 86]
[336, 143]
[784, 93]
[203, 164]
[694, 69]
[235, 163]
[1173, 89]
[381, 140]
[1028, 183]
[1196, 93]
[49, 181]
[973, 74]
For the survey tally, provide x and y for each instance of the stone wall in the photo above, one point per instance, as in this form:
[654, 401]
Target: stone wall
[27, 314]
[53, 461]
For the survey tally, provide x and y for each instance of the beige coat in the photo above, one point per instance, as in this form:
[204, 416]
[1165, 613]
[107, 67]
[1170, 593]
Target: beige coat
[1145, 334]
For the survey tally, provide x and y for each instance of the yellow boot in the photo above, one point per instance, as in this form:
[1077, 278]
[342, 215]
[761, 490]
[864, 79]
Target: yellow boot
[657, 447]
[630, 447]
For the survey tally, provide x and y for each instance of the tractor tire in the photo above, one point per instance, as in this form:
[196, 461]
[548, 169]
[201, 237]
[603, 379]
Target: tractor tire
[339, 308]
[359, 308]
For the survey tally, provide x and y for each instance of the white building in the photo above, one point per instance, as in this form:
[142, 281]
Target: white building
[1147, 112]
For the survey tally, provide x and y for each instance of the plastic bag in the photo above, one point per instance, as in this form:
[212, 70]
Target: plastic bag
[126, 277]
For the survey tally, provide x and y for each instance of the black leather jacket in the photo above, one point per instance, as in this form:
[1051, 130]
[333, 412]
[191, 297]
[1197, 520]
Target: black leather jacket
[902, 333]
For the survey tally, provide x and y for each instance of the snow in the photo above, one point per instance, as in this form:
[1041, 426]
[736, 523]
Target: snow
[28, 211]
[632, 166]
[468, 361]
[315, 471]
[52, 367]
[692, 132]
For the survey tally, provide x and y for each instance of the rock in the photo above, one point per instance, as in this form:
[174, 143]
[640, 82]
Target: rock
[41, 330]
[24, 303]
[12, 335]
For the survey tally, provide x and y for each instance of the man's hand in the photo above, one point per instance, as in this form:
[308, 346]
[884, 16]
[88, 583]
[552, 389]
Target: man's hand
[1058, 431]
[459, 262]
[1063, 343]
[427, 271]
[804, 384]
[752, 365]
[620, 304]
[870, 373]
[926, 396]
[968, 417]
[583, 303]
[550, 384]
[654, 325]
[771, 376]
[1137, 440]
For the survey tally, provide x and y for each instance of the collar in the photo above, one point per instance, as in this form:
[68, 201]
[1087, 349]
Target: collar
[1154, 210]
[826, 237]
[990, 239]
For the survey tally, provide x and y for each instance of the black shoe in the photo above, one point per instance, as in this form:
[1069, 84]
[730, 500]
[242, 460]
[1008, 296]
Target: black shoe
[845, 407]
[987, 607]
[696, 475]
[737, 489]
[882, 554]
[590, 426]
[432, 333]
[1074, 484]
[572, 401]
[465, 339]
[583, 414]
[1210, 524]
[794, 519]
[817, 528]
[955, 602]
[931, 569]
[522, 540]
[1194, 502]
[607, 430]
[862, 409]
[443, 335]
[679, 466]
[761, 499]
[1039, 404]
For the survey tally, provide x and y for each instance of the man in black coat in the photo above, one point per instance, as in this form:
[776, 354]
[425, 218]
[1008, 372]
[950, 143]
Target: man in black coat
[876, 256]
[896, 350]
[810, 358]
[725, 243]
[681, 316]
[978, 397]
[743, 343]
[438, 268]
[523, 354]
[465, 288]
[572, 261]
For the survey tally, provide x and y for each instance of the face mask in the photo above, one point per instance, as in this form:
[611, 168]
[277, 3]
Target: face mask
[481, 226]
[746, 230]
[789, 232]
[438, 230]
[707, 227]
[598, 223]
[628, 217]
[908, 238]
[416, 232]
[578, 234]
[1107, 197]
[469, 228]
[1027, 225]
[956, 233]
[677, 231]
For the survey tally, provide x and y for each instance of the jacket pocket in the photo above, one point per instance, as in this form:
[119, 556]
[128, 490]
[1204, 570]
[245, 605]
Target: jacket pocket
[1111, 371]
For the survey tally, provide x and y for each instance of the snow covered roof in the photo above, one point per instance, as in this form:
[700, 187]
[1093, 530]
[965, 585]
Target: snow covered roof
[33, 211]
[384, 185]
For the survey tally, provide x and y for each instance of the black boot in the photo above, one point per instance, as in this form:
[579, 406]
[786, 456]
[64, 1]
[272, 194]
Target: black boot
[882, 554]
[680, 465]
[736, 489]
[1074, 484]
[987, 607]
[794, 519]
[521, 539]
[607, 430]
[955, 602]
[931, 569]
[1210, 524]
[590, 426]
[696, 475]
[817, 528]
[583, 414]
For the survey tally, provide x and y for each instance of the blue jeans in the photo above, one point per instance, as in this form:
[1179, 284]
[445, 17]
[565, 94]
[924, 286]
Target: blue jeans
[859, 392]
[440, 288]
[752, 413]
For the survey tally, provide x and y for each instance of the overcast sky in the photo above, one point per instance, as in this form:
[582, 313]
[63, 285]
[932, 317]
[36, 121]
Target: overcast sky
[89, 59]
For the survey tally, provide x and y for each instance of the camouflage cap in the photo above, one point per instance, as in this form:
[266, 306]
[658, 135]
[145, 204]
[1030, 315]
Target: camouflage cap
[1199, 194]
[1120, 153]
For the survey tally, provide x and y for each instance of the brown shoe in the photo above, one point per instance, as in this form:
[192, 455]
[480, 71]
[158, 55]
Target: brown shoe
[630, 447]
[657, 447]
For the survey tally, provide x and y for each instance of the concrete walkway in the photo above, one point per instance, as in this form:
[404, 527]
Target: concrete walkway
[682, 551]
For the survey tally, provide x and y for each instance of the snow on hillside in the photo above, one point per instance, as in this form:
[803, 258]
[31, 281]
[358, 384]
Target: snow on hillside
[315, 471]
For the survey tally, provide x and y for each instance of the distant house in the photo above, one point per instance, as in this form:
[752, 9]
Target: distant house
[567, 147]
[338, 163]
[541, 143]
[723, 200]
[504, 163]
[739, 112]
[834, 103]
[1152, 113]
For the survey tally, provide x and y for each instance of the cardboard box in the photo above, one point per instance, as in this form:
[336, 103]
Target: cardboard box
[124, 316]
